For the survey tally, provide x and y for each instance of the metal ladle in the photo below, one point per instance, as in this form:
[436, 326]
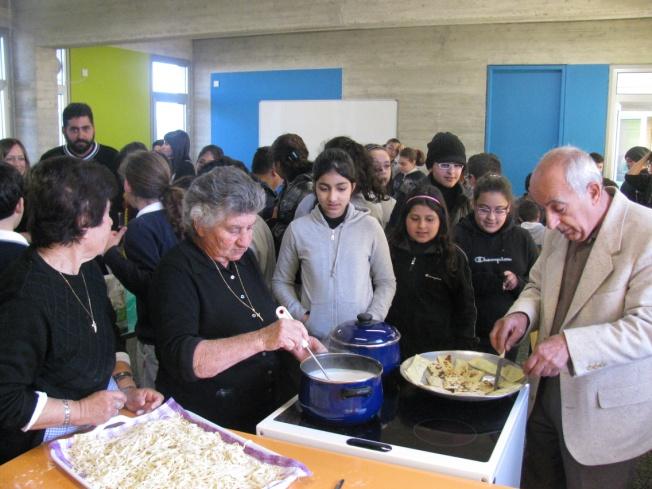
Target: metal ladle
[283, 313]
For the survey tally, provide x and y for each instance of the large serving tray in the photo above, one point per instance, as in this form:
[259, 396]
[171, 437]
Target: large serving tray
[463, 355]
[59, 449]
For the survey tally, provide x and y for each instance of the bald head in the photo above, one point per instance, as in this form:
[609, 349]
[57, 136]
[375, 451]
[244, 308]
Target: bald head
[568, 185]
[577, 167]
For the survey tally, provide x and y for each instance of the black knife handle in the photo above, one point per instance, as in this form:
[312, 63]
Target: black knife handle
[369, 445]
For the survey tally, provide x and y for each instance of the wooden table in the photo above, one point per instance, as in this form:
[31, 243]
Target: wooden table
[34, 469]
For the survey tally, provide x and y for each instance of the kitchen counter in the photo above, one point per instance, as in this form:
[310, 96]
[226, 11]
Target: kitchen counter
[35, 469]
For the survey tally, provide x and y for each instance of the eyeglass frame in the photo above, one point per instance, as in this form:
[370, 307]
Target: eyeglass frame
[456, 166]
[487, 211]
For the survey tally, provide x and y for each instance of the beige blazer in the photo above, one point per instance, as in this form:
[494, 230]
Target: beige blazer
[606, 396]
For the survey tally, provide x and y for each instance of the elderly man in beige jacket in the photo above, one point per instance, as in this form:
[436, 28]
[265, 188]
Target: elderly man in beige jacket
[590, 297]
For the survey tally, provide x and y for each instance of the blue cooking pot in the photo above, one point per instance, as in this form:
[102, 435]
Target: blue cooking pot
[366, 336]
[353, 395]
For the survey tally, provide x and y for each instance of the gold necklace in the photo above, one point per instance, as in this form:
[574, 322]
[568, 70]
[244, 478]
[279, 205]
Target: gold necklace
[88, 311]
[249, 306]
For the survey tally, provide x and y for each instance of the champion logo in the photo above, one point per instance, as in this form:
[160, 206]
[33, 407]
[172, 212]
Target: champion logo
[484, 259]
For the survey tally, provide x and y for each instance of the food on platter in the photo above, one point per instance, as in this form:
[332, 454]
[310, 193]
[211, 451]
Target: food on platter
[509, 372]
[451, 375]
[170, 452]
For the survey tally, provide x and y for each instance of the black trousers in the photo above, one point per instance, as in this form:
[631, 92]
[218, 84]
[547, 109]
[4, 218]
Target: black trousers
[547, 463]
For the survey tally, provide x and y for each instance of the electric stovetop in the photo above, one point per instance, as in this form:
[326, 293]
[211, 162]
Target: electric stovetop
[416, 419]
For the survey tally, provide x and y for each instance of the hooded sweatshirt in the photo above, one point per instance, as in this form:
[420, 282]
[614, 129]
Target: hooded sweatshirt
[490, 255]
[433, 309]
[345, 271]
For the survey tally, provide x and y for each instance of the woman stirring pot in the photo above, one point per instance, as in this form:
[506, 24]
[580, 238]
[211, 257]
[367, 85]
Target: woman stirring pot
[217, 333]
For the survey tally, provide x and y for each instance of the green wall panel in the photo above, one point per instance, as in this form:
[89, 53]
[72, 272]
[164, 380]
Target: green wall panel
[116, 87]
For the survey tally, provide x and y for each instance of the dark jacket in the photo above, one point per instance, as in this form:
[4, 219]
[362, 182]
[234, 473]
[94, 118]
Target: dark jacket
[288, 201]
[433, 309]
[457, 203]
[184, 168]
[270, 199]
[147, 239]
[638, 188]
[9, 252]
[403, 184]
[511, 248]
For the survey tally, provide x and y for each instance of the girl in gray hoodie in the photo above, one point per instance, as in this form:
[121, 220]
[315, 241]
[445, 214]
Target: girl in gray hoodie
[341, 251]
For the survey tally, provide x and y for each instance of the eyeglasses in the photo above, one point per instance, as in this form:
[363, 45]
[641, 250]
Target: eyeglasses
[448, 166]
[485, 211]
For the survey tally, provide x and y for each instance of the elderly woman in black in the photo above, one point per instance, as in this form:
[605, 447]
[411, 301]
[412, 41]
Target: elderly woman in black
[58, 364]
[217, 332]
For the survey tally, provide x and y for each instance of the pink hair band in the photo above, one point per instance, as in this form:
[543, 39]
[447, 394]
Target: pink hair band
[427, 197]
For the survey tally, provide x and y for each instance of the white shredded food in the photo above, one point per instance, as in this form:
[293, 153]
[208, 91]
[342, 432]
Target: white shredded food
[168, 453]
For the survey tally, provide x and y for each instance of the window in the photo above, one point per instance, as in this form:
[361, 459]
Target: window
[62, 87]
[169, 95]
[5, 87]
[630, 118]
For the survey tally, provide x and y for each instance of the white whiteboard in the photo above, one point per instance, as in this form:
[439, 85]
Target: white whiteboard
[317, 121]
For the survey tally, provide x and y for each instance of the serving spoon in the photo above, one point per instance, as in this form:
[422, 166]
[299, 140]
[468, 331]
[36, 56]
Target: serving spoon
[283, 313]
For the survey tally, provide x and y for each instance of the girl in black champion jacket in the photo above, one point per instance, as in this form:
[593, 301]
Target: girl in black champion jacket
[500, 253]
[433, 307]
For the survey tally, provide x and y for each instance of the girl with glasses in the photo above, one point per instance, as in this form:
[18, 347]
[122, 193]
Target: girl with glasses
[433, 307]
[500, 252]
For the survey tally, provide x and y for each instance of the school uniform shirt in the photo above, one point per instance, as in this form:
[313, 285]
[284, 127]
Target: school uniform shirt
[149, 236]
[12, 246]
[345, 271]
[490, 255]
[433, 309]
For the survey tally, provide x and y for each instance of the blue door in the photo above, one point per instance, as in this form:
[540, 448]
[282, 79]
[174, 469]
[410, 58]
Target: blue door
[523, 117]
[532, 109]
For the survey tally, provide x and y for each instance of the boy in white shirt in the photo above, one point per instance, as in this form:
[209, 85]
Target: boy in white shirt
[12, 206]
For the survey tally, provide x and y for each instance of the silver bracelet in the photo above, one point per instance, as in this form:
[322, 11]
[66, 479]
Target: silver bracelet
[66, 413]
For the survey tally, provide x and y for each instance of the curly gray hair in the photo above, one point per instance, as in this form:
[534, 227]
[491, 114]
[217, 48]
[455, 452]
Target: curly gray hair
[220, 193]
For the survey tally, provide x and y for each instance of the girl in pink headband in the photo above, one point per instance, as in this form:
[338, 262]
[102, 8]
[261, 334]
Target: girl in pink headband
[434, 307]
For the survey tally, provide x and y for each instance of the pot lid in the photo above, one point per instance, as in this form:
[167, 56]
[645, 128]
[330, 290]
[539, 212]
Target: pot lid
[365, 331]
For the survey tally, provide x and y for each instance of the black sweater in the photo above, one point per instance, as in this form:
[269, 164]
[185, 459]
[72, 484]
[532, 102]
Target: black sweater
[190, 302]
[47, 343]
[490, 255]
[147, 239]
[432, 309]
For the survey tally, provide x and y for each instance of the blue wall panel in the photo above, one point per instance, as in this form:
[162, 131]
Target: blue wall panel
[585, 111]
[523, 117]
[234, 102]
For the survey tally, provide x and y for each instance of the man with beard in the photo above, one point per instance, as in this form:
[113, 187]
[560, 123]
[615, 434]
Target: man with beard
[79, 131]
